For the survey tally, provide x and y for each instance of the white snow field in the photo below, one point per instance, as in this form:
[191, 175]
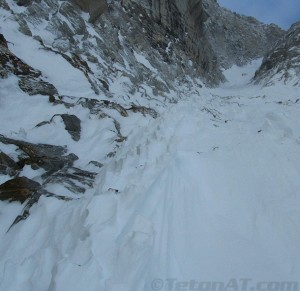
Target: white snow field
[207, 192]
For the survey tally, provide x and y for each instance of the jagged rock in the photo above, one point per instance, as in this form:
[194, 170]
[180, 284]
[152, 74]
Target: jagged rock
[52, 99]
[4, 5]
[282, 62]
[30, 79]
[194, 37]
[36, 10]
[63, 31]
[78, 63]
[59, 167]
[35, 86]
[114, 105]
[9, 63]
[72, 125]
[49, 163]
[96, 164]
[24, 2]
[59, 170]
[3, 41]
[18, 189]
[94, 7]
[74, 179]
[7, 165]
[23, 26]
[67, 10]
[237, 39]
[105, 84]
[95, 105]
[34, 198]
[49, 157]
[210, 34]
[144, 110]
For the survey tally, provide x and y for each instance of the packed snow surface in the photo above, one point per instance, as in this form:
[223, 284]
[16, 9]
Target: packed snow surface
[207, 192]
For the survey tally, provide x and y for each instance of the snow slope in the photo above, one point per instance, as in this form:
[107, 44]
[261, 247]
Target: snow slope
[208, 191]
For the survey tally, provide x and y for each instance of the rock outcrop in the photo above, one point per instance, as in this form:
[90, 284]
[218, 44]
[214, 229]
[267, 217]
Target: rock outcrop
[7, 165]
[195, 37]
[18, 189]
[94, 7]
[212, 35]
[30, 80]
[282, 62]
[58, 168]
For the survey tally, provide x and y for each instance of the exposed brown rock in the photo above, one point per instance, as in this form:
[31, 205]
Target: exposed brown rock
[46, 156]
[18, 189]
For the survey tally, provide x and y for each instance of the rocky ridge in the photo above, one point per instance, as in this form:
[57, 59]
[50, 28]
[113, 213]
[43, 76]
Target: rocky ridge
[282, 62]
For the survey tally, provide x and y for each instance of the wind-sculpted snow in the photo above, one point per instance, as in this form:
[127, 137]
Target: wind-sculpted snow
[208, 191]
[133, 172]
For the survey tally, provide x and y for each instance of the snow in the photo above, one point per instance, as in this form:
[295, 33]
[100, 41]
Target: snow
[237, 76]
[141, 59]
[208, 191]
[68, 80]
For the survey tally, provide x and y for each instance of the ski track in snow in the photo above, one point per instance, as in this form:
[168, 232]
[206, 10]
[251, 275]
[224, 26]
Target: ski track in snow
[208, 191]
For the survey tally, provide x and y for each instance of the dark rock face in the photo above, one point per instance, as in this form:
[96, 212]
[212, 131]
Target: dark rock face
[18, 189]
[72, 125]
[58, 168]
[282, 62]
[34, 86]
[184, 22]
[55, 161]
[7, 165]
[3, 41]
[94, 7]
[193, 38]
[239, 39]
[49, 157]
[23, 2]
[212, 35]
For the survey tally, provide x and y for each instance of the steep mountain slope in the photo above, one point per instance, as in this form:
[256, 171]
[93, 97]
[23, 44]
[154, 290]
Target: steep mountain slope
[213, 35]
[121, 169]
[189, 36]
[282, 62]
[207, 192]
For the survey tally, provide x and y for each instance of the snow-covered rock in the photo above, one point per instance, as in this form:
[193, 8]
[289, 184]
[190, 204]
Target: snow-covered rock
[282, 62]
